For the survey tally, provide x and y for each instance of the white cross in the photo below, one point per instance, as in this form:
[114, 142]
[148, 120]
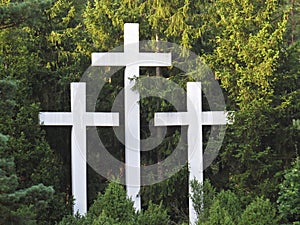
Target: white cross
[195, 118]
[79, 119]
[133, 59]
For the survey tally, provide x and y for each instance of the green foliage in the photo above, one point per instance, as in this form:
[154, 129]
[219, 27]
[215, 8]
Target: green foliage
[260, 77]
[218, 215]
[7, 93]
[247, 49]
[35, 161]
[113, 207]
[31, 9]
[225, 207]
[289, 194]
[32, 63]
[202, 197]
[169, 195]
[229, 201]
[103, 219]
[259, 212]
[113, 203]
[20, 206]
[212, 207]
[176, 21]
[73, 220]
[154, 215]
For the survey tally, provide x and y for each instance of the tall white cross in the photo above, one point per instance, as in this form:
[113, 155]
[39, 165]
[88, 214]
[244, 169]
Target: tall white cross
[133, 59]
[194, 118]
[79, 119]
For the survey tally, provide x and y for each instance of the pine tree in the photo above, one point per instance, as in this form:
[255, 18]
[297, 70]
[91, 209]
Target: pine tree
[114, 207]
[10, 15]
[249, 47]
[20, 206]
[25, 61]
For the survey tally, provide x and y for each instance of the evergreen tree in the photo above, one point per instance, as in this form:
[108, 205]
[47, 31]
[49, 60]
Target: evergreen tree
[260, 211]
[113, 207]
[26, 60]
[249, 48]
[16, 13]
[225, 207]
[20, 206]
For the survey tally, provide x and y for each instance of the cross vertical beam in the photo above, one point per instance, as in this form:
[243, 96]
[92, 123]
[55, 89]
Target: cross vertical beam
[132, 138]
[78, 147]
[79, 119]
[195, 141]
[132, 118]
[195, 118]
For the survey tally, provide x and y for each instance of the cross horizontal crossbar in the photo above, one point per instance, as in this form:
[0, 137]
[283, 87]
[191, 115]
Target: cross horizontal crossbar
[131, 58]
[184, 118]
[89, 119]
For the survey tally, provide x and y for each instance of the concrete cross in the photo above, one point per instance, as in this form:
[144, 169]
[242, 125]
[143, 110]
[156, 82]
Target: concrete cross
[79, 119]
[194, 118]
[132, 59]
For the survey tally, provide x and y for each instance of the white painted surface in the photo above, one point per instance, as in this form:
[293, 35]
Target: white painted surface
[195, 119]
[133, 59]
[79, 119]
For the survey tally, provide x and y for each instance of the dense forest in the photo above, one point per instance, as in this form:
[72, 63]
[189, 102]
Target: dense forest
[253, 49]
